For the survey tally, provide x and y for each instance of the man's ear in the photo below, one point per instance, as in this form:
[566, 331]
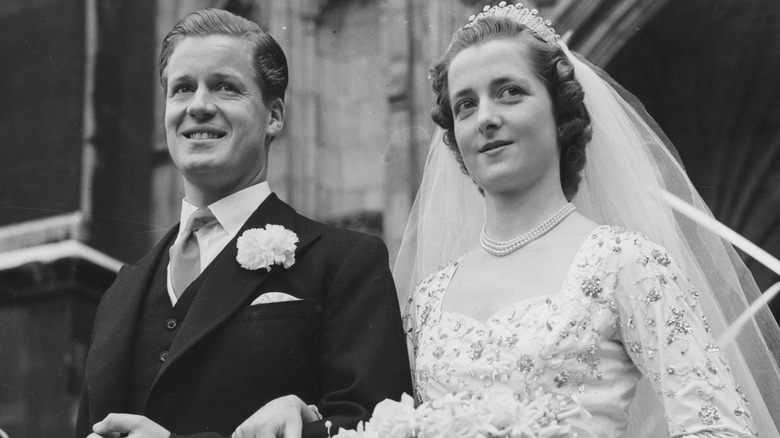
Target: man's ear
[274, 117]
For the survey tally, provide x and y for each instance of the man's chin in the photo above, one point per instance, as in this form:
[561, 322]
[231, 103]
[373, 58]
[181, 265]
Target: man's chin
[202, 173]
[199, 166]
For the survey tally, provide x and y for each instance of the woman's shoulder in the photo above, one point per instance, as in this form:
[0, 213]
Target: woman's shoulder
[619, 233]
[628, 242]
[446, 268]
[443, 271]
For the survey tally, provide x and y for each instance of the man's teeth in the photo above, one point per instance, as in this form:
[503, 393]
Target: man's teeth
[203, 136]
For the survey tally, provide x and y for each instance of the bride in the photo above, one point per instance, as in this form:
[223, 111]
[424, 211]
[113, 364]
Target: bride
[566, 271]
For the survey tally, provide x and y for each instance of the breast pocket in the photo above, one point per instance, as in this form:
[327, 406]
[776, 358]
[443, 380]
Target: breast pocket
[290, 330]
[274, 347]
[281, 310]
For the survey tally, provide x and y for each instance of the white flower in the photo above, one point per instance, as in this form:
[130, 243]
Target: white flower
[505, 410]
[263, 247]
[464, 415]
[392, 419]
[360, 432]
[467, 424]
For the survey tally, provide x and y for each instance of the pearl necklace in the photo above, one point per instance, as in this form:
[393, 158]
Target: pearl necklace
[500, 248]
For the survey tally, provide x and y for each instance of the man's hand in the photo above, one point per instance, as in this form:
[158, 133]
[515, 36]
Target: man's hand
[281, 417]
[128, 425]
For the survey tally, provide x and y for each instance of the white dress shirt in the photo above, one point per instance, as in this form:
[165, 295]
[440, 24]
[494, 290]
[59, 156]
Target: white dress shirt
[231, 213]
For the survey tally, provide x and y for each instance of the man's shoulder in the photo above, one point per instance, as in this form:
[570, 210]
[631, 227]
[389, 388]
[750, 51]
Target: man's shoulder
[336, 235]
[305, 225]
[342, 253]
[157, 250]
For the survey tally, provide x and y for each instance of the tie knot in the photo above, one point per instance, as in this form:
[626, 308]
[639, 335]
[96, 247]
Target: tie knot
[199, 219]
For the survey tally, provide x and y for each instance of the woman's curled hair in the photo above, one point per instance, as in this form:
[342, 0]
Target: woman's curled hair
[554, 69]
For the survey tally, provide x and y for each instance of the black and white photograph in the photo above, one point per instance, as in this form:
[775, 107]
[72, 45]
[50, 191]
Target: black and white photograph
[389, 219]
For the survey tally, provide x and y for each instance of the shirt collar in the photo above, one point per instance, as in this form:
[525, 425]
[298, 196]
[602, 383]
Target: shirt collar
[232, 211]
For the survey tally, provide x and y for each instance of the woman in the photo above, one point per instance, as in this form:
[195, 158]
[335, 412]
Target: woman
[549, 298]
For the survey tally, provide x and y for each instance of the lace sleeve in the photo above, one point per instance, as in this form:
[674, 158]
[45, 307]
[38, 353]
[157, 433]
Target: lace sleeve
[409, 317]
[667, 336]
[412, 328]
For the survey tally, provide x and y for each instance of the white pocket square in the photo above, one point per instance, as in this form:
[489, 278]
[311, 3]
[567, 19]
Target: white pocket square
[273, 297]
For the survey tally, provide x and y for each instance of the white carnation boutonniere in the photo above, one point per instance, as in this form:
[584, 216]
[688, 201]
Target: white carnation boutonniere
[263, 247]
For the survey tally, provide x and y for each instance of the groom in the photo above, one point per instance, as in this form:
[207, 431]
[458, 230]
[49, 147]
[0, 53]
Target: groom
[210, 326]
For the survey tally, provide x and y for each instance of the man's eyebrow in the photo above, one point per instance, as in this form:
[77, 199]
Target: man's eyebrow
[215, 75]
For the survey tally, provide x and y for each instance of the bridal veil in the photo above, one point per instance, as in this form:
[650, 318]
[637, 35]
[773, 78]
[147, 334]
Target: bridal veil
[630, 165]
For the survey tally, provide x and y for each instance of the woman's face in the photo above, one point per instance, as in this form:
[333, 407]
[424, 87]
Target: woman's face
[504, 122]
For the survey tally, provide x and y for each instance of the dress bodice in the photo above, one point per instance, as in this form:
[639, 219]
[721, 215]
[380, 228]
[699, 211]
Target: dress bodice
[624, 311]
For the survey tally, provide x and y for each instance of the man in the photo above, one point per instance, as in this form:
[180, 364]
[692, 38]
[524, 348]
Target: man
[297, 328]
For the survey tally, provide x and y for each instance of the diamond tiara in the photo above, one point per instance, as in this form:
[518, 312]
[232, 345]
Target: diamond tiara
[524, 16]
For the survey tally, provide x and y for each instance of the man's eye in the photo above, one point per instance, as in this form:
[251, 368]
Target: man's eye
[181, 89]
[226, 87]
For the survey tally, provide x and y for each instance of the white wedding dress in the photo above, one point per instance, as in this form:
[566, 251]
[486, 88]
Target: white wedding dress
[625, 310]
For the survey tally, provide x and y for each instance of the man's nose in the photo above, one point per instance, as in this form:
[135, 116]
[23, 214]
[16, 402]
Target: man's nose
[201, 104]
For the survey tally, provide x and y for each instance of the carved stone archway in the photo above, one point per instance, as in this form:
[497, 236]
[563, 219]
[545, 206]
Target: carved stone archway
[598, 29]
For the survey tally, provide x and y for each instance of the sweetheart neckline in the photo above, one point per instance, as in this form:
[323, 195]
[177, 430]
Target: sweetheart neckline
[579, 254]
[495, 315]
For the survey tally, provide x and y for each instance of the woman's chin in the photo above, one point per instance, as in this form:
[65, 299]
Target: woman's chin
[502, 185]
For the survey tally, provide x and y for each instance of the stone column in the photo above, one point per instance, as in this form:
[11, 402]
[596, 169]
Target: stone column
[401, 175]
[294, 153]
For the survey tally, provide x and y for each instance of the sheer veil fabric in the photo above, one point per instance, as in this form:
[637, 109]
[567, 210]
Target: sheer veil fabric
[630, 162]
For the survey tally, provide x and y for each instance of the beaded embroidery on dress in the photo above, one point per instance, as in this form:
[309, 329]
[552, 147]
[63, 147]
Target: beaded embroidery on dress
[625, 310]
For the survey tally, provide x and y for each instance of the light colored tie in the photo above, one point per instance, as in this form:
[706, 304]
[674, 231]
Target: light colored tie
[185, 253]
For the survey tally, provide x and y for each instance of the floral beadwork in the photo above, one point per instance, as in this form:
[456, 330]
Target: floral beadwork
[591, 286]
[625, 311]
[661, 257]
[709, 414]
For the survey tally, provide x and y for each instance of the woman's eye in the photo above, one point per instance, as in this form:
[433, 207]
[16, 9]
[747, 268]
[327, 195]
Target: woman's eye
[464, 106]
[511, 91]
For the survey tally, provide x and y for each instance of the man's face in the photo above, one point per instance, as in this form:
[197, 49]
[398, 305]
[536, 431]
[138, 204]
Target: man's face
[215, 117]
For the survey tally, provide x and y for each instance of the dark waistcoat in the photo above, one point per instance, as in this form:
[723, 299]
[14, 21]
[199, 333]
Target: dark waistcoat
[158, 325]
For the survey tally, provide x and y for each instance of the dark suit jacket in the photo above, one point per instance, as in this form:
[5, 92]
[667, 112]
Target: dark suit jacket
[340, 347]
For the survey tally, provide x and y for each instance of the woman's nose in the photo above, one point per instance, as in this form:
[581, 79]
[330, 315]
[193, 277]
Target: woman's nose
[488, 118]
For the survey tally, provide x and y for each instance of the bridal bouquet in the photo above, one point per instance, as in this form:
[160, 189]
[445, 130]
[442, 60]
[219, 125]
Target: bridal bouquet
[459, 416]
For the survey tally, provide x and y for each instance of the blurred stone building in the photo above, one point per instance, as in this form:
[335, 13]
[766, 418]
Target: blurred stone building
[86, 182]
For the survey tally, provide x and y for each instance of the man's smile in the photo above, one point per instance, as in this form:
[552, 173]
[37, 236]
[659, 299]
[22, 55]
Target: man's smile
[203, 136]
[203, 133]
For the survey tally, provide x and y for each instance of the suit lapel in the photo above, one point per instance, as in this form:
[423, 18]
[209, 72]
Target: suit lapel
[229, 286]
[112, 344]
